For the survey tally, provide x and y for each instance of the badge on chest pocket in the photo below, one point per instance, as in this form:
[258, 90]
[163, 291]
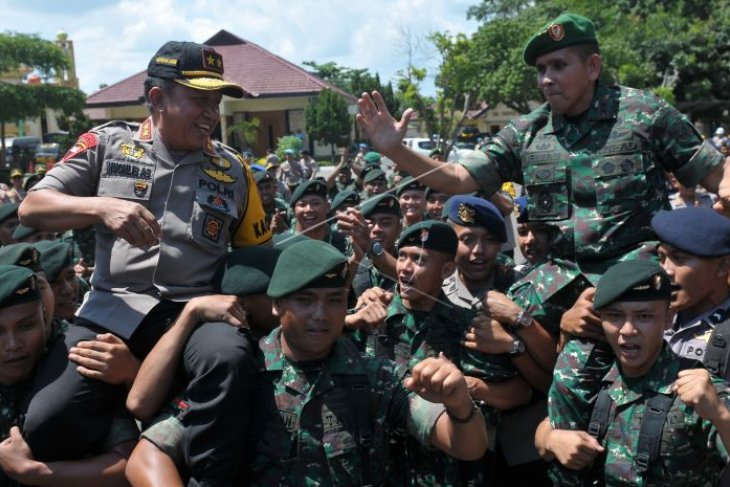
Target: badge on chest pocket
[131, 180]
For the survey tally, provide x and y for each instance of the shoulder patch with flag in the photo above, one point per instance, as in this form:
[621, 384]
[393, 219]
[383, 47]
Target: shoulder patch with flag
[84, 143]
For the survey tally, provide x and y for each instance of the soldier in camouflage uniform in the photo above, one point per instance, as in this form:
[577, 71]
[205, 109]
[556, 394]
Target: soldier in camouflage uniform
[422, 323]
[276, 209]
[26, 346]
[632, 299]
[310, 206]
[374, 231]
[324, 413]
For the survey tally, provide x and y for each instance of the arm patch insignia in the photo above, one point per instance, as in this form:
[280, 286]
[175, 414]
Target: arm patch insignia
[84, 143]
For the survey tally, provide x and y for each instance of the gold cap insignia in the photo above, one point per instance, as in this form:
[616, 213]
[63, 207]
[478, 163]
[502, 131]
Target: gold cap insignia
[466, 214]
[657, 281]
[556, 32]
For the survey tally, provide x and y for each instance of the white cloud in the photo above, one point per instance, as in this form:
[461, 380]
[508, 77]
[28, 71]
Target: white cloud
[114, 40]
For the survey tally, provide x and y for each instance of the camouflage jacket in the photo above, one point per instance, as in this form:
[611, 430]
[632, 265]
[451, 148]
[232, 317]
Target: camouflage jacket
[599, 177]
[408, 338]
[307, 425]
[691, 453]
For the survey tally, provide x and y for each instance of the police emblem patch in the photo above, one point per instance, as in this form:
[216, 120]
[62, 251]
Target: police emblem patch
[556, 32]
[220, 176]
[84, 143]
[218, 203]
[140, 188]
[466, 214]
[130, 150]
[212, 227]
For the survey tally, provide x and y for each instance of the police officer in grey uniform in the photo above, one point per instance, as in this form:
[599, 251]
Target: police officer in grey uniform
[166, 202]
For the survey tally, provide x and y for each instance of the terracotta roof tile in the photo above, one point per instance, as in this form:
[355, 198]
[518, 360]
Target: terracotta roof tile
[260, 73]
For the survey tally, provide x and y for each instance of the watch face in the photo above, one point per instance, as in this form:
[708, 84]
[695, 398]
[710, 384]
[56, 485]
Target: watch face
[377, 248]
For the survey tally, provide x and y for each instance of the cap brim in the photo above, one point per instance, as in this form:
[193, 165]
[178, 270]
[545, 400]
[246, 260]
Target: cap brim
[213, 84]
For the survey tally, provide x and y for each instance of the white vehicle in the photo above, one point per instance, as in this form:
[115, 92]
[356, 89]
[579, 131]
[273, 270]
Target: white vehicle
[425, 145]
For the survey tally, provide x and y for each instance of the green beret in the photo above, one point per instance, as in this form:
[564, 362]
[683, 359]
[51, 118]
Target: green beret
[262, 177]
[55, 257]
[632, 280]
[430, 234]
[382, 203]
[246, 271]
[345, 197]
[7, 210]
[432, 191]
[565, 31]
[436, 152]
[21, 232]
[313, 186]
[409, 184]
[372, 157]
[285, 239]
[309, 263]
[18, 285]
[21, 255]
[371, 173]
[33, 178]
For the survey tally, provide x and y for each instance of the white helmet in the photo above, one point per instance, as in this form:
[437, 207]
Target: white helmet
[720, 131]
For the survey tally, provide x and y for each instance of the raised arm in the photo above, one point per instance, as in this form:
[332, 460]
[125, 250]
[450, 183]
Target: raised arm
[387, 134]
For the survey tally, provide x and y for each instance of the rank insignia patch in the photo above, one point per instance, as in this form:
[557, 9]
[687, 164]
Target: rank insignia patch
[220, 176]
[84, 143]
[212, 227]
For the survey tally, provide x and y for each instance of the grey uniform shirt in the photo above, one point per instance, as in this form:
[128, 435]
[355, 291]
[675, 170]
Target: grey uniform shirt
[198, 199]
[689, 338]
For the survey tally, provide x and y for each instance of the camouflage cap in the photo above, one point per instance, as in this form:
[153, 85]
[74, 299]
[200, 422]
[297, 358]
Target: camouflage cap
[632, 280]
[382, 203]
[313, 186]
[196, 66]
[246, 271]
[470, 211]
[345, 197]
[372, 157]
[409, 183]
[699, 230]
[8, 210]
[21, 255]
[430, 234]
[55, 257]
[308, 264]
[565, 31]
[18, 285]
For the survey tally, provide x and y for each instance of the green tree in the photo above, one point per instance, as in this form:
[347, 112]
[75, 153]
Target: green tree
[247, 130]
[288, 142]
[21, 101]
[328, 121]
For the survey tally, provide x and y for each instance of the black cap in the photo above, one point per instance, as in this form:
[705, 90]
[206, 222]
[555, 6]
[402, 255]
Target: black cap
[193, 65]
[430, 234]
[382, 203]
[632, 280]
[313, 186]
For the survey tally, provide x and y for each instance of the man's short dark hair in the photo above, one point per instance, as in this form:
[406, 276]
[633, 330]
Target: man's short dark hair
[155, 82]
[585, 51]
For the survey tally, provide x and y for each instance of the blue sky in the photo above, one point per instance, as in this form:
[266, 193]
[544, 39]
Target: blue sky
[114, 40]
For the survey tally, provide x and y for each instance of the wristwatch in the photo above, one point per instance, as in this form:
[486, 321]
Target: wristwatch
[524, 319]
[518, 348]
[376, 249]
[474, 409]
